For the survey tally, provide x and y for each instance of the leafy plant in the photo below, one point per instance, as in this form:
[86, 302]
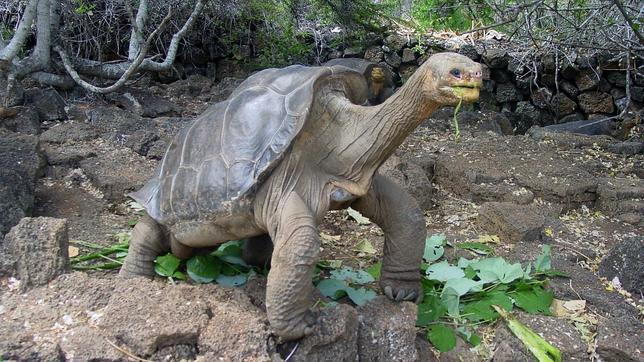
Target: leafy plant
[459, 297]
[101, 257]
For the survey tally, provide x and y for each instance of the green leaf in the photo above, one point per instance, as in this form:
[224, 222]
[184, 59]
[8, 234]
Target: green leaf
[353, 276]
[482, 310]
[543, 262]
[442, 337]
[365, 247]
[166, 265]
[357, 216]
[434, 247]
[203, 268]
[374, 270]
[470, 273]
[491, 270]
[231, 281]
[443, 271]
[360, 296]
[533, 301]
[451, 299]
[179, 276]
[430, 310]
[333, 288]
[132, 223]
[463, 285]
[471, 337]
[476, 247]
[230, 252]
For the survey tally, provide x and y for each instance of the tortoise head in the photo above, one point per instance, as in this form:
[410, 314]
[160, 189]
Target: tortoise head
[377, 75]
[452, 77]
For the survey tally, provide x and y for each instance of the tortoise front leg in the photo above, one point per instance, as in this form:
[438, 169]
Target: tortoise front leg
[398, 215]
[289, 290]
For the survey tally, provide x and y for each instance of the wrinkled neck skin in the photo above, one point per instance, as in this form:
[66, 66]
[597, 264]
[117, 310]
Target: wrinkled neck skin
[367, 136]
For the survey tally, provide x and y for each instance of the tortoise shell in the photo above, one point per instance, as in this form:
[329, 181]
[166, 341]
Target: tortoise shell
[222, 157]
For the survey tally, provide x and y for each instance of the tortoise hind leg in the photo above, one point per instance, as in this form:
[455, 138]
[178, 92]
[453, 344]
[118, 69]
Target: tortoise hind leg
[257, 251]
[148, 242]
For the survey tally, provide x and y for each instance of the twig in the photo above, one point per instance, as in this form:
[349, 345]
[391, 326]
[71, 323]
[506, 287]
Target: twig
[125, 352]
[628, 20]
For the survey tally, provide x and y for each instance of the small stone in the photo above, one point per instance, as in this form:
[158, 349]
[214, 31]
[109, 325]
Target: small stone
[637, 94]
[409, 56]
[496, 58]
[596, 102]
[569, 89]
[506, 92]
[562, 105]
[393, 59]
[513, 223]
[374, 54]
[541, 98]
[36, 250]
[395, 42]
[353, 52]
[48, 103]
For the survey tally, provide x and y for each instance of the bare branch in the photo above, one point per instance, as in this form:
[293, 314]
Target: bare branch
[133, 68]
[11, 50]
[628, 20]
[174, 44]
[137, 28]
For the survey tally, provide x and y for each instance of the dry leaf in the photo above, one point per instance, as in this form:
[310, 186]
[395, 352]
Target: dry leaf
[567, 308]
[357, 216]
[73, 251]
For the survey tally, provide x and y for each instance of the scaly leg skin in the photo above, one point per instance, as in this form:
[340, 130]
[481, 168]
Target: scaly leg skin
[289, 290]
[257, 251]
[398, 215]
[148, 241]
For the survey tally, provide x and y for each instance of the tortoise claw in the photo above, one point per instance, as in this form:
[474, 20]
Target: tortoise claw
[389, 292]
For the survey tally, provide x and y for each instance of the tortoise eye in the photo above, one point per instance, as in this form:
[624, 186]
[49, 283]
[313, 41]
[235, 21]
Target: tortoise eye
[455, 72]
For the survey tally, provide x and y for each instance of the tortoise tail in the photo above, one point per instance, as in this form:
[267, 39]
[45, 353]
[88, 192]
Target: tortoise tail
[148, 242]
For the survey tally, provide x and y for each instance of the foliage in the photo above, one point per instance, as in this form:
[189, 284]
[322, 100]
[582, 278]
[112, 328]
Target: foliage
[461, 296]
[223, 266]
[101, 257]
[457, 298]
[452, 14]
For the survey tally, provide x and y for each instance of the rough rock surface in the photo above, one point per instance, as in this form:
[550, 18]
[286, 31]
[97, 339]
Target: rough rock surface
[25, 121]
[36, 251]
[411, 177]
[511, 222]
[561, 335]
[387, 331]
[48, 103]
[334, 338]
[21, 163]
[626, 262]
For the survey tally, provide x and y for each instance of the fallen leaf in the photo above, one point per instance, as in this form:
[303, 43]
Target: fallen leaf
[357, 216]
[365, 247]
[72, 251]
[328, 237]
[488, 239]
[567, 308]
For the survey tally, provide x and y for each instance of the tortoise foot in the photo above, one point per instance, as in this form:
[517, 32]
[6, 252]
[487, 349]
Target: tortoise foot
[295, 328]
[401, 289]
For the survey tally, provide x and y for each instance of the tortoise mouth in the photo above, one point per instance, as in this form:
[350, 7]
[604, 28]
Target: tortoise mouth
[467, 91]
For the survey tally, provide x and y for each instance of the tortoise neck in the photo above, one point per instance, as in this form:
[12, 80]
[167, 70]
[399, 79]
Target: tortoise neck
[389, 123]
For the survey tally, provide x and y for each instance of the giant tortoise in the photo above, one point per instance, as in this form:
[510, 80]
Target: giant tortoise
[287, 146]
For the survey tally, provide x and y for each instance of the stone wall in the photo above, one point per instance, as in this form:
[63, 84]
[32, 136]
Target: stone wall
[559, 91]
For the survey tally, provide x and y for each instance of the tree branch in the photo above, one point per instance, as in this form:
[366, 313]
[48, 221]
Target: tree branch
[24, 28]
[133, 68]
[621, 9]
[137, 27]
[151, 65]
